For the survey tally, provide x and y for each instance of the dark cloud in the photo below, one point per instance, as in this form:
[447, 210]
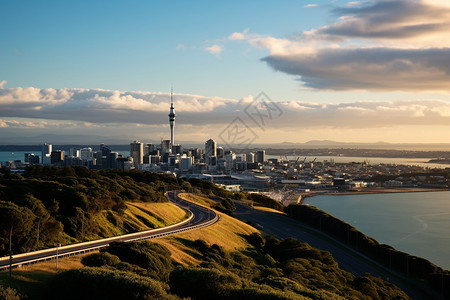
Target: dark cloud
[387, 19]
[369, 69]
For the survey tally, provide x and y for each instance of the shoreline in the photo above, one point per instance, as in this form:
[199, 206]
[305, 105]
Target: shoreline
[377, 190]
[380, 191]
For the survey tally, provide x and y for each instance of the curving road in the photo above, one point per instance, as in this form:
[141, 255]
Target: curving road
[199, 217]
[283, 227]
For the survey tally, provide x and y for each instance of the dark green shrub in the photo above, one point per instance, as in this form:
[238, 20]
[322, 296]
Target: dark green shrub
[201, 283]
[256, 240]
[153, 257]
[100, 259]
[99, 283]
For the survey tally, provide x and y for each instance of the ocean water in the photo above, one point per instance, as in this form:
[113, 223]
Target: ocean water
[421, 162]
[416, 223]
[16, 155]
[20, 155]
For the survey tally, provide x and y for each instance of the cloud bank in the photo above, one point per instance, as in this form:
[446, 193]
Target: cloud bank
[97, 106]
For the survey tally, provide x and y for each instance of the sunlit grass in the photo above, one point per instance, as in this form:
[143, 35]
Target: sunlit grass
[228, 233]
[262, 208]
[202, 200]
[170, 213]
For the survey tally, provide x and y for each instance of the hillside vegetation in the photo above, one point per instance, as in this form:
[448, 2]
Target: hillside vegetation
[405, 263]
[269, 269]
[228, 260]
[48, 205]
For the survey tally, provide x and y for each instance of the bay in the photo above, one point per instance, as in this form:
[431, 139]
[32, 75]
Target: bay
[16, 155]
[421, 162]
[20, 155]
[416, 223]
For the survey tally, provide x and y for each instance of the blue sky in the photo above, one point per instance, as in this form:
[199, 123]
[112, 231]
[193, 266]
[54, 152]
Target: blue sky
[360, 71]
[146, 45]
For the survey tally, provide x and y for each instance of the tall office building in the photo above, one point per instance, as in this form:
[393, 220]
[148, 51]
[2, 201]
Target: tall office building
[186, 163]
[86, 154]
[220, 152]
[177, 149]
[46, 151]
[87, 157]
[260, 156]
[210, 149]
[165, 147]
[106, 160]
[251, 157]
[137, 153]
[171, 121]
[57, 157]
[148, 149]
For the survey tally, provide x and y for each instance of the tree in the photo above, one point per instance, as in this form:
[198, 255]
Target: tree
[21, 220]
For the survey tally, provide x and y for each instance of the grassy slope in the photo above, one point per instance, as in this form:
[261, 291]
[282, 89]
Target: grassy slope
[138, 216]
[227, 233]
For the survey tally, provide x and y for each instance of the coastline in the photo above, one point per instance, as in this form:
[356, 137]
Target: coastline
[403, 248]
[375, 190]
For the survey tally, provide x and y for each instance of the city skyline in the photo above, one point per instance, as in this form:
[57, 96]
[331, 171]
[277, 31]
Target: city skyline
[349, 71]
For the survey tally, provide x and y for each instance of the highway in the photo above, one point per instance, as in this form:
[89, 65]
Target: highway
[348, 259]
[199, 217]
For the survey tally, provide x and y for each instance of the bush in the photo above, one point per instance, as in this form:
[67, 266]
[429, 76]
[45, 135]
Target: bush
[256, 240]
[201, 283]
[153, 257]
[100, 259]
[99, 283]
[7, 293]
[266, 201]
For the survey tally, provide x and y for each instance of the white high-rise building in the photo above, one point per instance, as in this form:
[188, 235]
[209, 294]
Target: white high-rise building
[86, 154]
[46, 152]
[137, 152]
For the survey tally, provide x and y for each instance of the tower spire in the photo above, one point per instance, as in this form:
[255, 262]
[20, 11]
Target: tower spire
[171, 119]
[171, 97]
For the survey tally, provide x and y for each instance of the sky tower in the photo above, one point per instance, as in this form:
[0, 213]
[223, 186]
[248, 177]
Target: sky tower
[171, 119]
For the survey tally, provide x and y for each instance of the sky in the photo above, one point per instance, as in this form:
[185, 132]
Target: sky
[242, 72]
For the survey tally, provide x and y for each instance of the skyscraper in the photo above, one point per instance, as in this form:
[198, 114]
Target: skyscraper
[165, 147]
[260, 156]
[137, 152]
[210, 149]
[171, 120]
[46, 151]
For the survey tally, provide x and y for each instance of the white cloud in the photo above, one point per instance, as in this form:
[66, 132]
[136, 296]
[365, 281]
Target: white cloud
[2, 83]
[310, 5]
[89, 107]
[180, 47]
[238, 35]
[215, 49]
[144, 114]
[353, 3]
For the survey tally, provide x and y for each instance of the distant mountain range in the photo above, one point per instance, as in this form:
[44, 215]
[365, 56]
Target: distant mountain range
[378, 145]
[313, 144]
